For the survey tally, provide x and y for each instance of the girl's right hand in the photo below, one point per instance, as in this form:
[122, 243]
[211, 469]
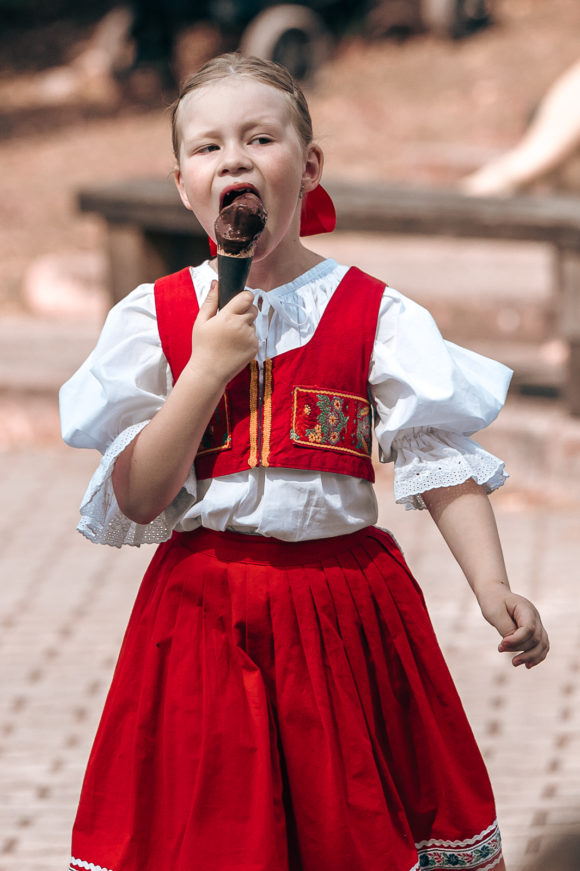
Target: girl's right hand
[223, 342]
[518, 622]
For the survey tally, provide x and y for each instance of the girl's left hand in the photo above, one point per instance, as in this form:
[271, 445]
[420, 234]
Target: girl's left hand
[518, 622]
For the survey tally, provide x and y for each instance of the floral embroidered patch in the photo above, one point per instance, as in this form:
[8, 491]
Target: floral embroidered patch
[331, 419]
[217, 435]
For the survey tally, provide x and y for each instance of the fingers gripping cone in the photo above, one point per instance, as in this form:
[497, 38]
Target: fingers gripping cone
[237, 229]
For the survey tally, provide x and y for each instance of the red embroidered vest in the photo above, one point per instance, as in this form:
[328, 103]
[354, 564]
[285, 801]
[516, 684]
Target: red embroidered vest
[308, 408]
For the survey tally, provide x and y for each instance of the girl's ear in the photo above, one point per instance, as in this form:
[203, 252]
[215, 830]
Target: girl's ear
[179, 184]
[313, 167]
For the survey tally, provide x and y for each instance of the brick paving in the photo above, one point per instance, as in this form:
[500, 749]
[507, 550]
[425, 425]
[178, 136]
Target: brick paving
[63, 606]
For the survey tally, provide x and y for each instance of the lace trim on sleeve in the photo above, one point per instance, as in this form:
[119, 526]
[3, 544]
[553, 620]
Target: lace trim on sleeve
[426, 459]
[102, 521]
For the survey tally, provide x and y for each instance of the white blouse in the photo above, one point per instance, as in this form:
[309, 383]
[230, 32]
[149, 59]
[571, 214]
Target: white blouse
[429, 394]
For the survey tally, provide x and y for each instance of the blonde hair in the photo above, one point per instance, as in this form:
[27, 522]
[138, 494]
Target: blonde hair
[265, 71]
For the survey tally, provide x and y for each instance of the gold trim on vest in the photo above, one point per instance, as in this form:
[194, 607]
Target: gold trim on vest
[254, 389]
[267, 412]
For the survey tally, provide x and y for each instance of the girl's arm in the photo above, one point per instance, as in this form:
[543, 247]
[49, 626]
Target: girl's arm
[465, 518]
[152, 469]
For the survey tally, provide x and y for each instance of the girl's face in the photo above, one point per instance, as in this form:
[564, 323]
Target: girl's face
[238, 133]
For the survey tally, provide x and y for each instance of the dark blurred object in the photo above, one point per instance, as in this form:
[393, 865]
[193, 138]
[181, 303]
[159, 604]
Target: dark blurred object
[38, 34]
[455, 18]
[299, 36]
[46, 11]
[156, 24]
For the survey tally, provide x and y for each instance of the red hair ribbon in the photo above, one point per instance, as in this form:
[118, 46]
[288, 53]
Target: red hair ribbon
[318, 215]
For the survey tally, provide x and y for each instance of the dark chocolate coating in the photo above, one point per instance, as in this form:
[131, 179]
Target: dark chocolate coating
[240, 223]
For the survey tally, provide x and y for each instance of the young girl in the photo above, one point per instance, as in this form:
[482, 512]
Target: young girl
[280, 702]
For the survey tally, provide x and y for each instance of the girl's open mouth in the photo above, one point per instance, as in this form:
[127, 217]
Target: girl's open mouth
[232, 193]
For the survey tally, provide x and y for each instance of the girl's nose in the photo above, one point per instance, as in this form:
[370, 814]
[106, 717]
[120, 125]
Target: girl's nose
[234, 159]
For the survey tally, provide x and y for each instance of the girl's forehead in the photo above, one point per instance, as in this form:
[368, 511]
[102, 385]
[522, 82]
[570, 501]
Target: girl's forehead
[237, 91]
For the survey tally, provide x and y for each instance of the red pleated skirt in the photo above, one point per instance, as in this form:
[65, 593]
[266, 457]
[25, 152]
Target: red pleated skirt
[283, 707]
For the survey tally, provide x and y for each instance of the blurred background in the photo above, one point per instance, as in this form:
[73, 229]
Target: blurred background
[422, 95]
[78, 106]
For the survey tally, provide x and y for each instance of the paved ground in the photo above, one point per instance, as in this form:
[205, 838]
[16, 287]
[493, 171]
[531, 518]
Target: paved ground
[64, 604]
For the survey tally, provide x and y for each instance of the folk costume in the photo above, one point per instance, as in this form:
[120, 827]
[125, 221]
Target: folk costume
[280, 701]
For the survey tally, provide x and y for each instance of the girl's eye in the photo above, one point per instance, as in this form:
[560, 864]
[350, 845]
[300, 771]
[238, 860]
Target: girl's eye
[206, 149]
[261, 140]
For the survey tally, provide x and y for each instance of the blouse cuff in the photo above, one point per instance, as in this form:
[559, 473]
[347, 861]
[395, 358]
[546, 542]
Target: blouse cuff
[103, 522]
[426, 459]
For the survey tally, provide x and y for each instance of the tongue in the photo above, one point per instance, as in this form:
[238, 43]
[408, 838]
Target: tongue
[239, 224]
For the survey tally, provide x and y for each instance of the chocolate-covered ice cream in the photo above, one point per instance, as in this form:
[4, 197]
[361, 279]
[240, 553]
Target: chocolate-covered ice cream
[239, 224]
[237, 229]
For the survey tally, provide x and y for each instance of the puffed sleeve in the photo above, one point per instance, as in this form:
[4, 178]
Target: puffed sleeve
[105, 405]
[430, 396]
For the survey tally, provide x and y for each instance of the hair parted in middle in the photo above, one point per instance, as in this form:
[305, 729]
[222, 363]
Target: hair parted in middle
[234, 64]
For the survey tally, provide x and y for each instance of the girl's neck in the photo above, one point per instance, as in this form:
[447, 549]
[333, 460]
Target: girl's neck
[279, 268]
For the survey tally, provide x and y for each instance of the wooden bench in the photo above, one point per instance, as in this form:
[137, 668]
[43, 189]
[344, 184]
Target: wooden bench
[150, 233]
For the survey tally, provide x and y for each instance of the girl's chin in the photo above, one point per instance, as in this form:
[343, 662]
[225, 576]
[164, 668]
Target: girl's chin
[264, 248]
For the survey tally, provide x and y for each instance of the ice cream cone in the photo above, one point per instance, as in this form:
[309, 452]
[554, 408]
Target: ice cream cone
[233, 271]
